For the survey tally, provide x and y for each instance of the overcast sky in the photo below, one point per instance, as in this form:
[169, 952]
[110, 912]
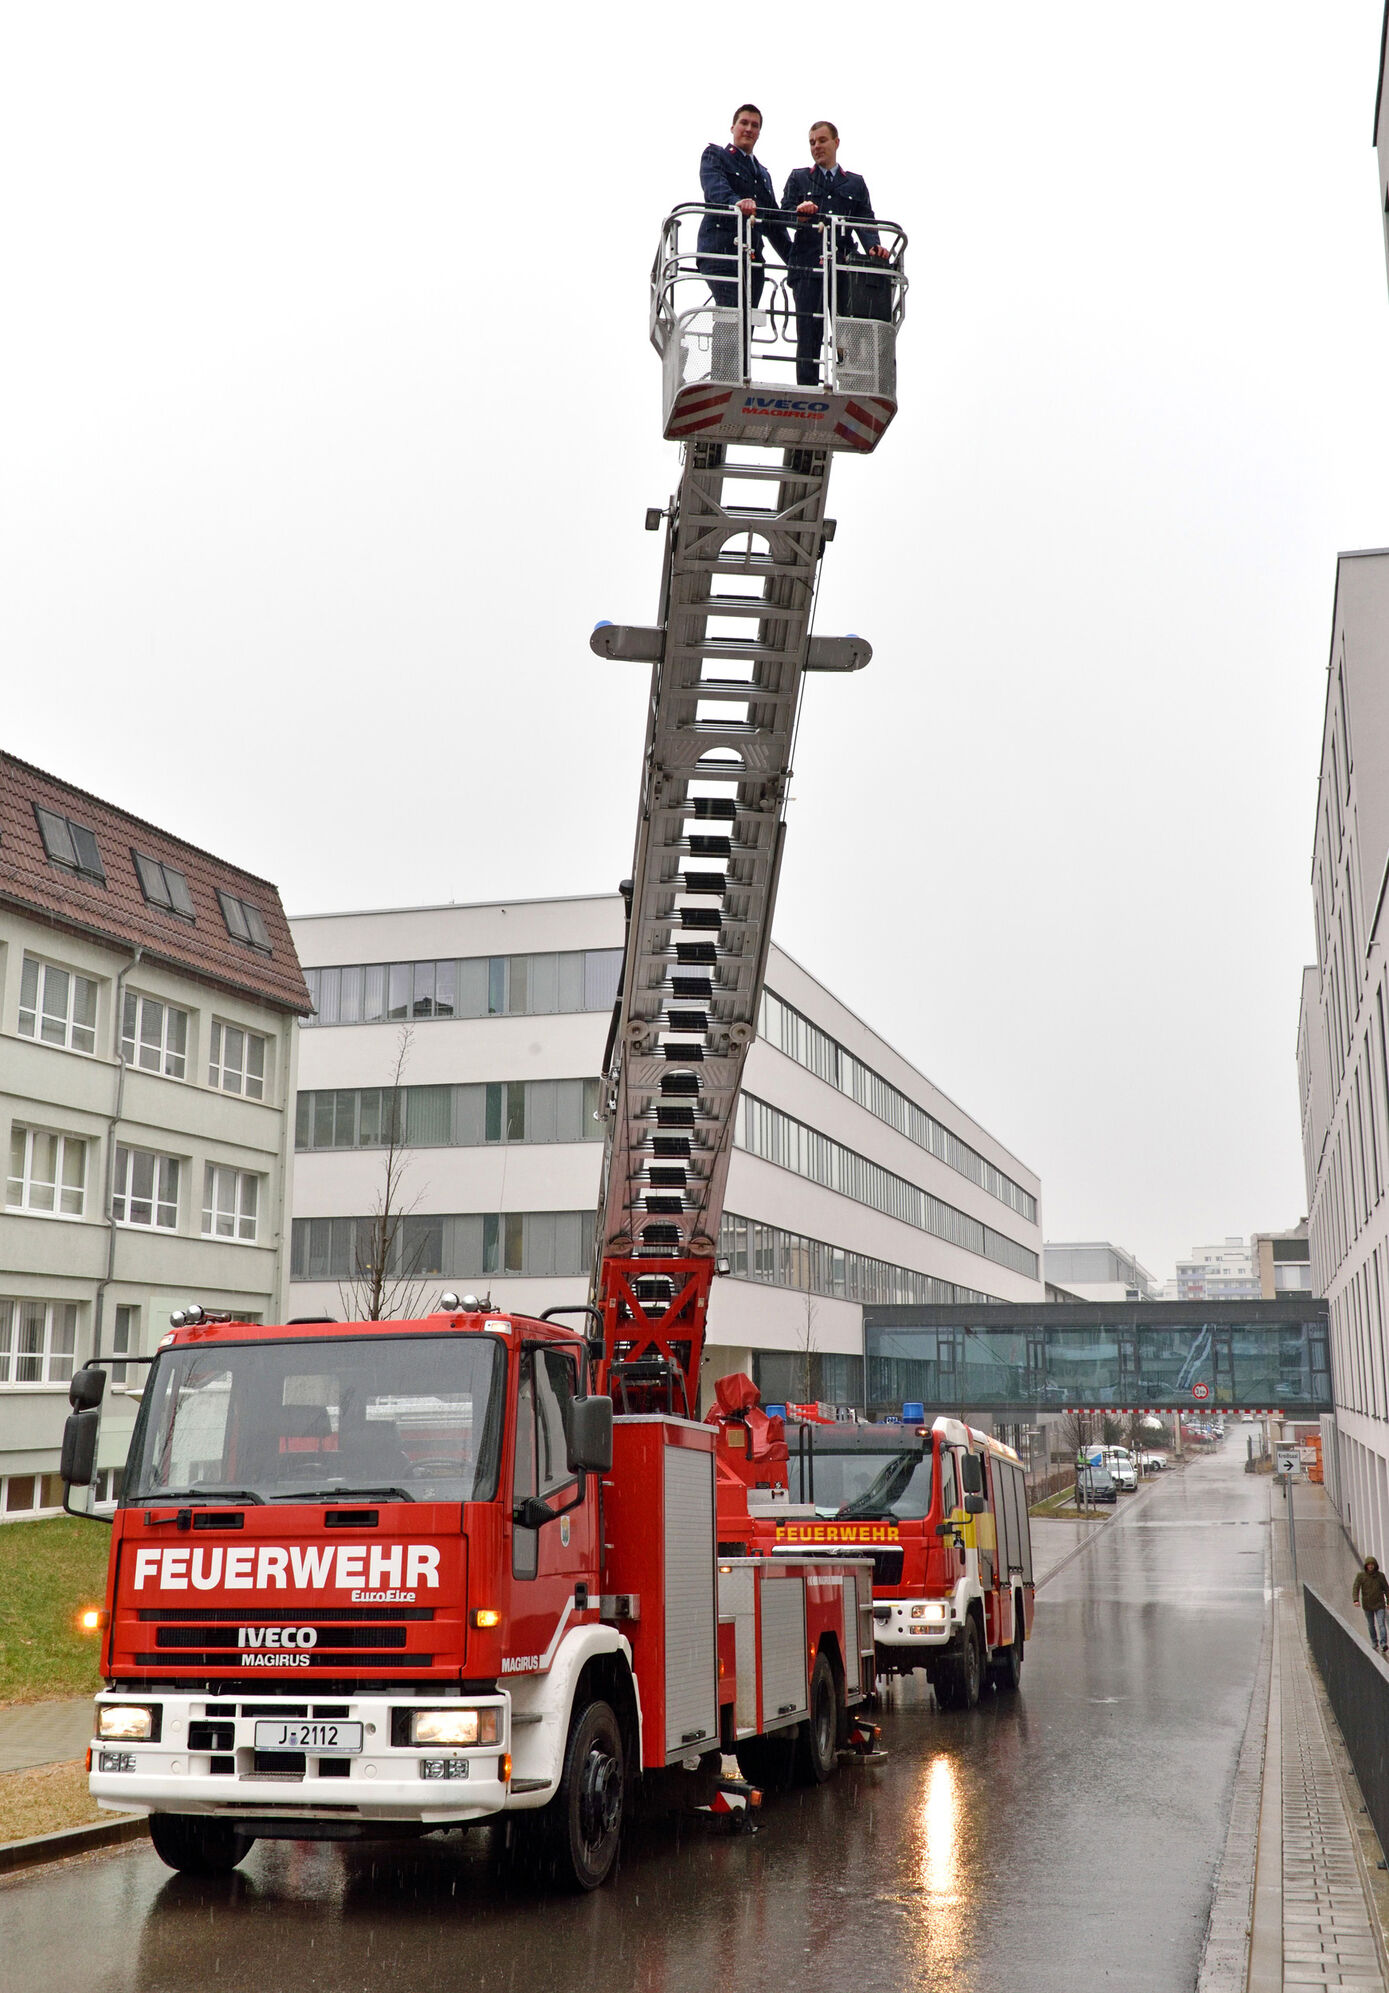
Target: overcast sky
[329, 422]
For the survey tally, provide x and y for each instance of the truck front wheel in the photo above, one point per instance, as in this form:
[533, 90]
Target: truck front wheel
[583, 1822]
[198, 1846]
[957, 1678]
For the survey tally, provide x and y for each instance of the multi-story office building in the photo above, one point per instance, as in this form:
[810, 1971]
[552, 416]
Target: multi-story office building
[1224, 1272]
[1343, 1040]
[854, 1179]
[1283, 1261]
[1095, 1270]
[148, 998]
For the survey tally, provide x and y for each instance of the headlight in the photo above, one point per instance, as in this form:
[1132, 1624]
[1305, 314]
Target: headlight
[118, 1719]
[937, 1611]
[453, 1726]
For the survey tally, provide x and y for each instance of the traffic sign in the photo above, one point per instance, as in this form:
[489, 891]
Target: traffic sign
[1200, 1390]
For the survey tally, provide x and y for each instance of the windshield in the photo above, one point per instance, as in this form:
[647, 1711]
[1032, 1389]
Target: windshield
[864, 1486]
[403, 1418]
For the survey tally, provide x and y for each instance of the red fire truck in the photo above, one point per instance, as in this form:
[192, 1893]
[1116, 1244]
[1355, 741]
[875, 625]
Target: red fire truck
[940, 1510]
[380, 1578]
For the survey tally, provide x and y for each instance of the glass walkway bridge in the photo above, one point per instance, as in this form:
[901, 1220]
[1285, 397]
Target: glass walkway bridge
[1131, 1356]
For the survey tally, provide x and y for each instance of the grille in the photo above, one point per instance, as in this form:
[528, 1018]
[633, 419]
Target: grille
[887, 1567]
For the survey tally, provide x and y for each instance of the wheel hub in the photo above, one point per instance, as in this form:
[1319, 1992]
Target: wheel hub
[600, 1796]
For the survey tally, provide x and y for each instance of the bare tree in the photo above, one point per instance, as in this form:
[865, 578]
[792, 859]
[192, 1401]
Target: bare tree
[808, 1345]
[387, 1282]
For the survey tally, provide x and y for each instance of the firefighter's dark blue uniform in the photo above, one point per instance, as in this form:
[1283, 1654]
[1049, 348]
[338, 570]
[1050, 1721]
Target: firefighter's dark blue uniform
[838, 192]
[729, 175]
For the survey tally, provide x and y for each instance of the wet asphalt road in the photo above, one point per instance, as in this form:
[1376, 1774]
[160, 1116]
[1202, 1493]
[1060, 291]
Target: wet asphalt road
[1066, 1837]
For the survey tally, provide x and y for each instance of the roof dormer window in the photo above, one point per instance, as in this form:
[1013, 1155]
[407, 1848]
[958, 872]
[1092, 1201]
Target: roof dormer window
[163, 887]
[244, 921]
[70, 845]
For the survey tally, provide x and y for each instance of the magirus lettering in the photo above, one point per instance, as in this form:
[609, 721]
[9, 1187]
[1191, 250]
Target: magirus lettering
[343, 1567]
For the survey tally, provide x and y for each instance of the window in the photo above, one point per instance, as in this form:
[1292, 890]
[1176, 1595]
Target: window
[244, 921]
[38, 1341]
[125, 1340]
[230, 1199]
[146, 1189]
[458, 1246]
[462, 1117]
[154, 1036]
[162, 886]
[70, 845]
[476, 986]
[57, 1006]
[48, 1172]
[236, 1060]
[544, 1393]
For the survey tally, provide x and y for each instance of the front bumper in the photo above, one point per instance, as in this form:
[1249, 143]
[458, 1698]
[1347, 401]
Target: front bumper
[903, 1623]
[382, 1782]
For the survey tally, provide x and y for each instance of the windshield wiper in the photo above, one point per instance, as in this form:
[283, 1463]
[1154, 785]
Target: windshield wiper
[888, 1486]
[382, 1494]
[211, 1491]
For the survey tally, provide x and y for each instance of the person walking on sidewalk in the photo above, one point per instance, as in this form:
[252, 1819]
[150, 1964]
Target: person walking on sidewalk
[1371, 1594]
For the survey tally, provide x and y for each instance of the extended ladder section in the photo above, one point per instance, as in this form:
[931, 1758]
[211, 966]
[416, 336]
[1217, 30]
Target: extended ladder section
[744, 539]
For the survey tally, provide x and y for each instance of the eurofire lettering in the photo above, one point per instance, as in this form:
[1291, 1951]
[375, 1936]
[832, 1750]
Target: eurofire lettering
[340, 1567]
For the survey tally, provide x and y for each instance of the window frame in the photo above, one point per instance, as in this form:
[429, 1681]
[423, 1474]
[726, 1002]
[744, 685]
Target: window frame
[133, 1042]
[167, 900]
[122, 1176]
[217, 1068]
[43, 967]
[60, 1186]
[213, 1177]
[11, 1355]
[85, 868]
[252, 929]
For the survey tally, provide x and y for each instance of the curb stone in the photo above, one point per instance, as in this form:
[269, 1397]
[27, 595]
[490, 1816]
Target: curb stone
[71, 1841]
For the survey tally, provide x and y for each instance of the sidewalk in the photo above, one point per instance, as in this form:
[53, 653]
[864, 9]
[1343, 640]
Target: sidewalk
[44, 1733]
[1297, 1903]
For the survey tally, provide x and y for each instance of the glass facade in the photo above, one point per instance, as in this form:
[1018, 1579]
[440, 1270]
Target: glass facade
[474, 986]
[809, 1046]
[1258, 1355]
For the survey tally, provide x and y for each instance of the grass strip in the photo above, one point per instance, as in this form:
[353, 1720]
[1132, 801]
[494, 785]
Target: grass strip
[45, 1799]
[48, 1572]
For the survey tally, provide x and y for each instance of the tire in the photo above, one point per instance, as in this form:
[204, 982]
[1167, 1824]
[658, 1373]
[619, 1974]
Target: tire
[958, 1680]
[769, 1762]
[817, 1742]
[1006, 1672]
[582, 1825]
[198, 1846]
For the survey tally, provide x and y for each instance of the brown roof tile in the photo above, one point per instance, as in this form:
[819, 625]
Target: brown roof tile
[118, 911]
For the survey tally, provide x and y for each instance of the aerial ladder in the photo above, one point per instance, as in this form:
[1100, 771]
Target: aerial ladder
[744, 537]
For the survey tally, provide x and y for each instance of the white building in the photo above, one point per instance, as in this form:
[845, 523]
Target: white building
[854, 1180]
[1095, 1270]
[1225, 1272]
[1343, 1040]
[148, 997]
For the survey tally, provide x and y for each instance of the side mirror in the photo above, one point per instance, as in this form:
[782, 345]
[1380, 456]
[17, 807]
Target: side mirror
[589, 1440]
[87, 1389]
[972, 1475]
[974, 1505]
[77, 1462]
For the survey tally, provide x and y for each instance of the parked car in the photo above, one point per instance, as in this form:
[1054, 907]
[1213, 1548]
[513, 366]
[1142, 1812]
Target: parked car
[1122, 1467]
[1152, 1463]
[1095, 1483]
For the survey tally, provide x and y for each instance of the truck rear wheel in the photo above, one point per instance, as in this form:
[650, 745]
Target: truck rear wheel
[583, 1822]
[198, 1846]
[817, 1746]
[1006, 1672]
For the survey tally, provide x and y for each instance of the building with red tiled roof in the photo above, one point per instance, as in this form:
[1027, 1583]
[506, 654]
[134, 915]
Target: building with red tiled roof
[149, 1003]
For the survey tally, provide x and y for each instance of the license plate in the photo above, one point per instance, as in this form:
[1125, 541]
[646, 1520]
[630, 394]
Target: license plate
[333, 1738]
